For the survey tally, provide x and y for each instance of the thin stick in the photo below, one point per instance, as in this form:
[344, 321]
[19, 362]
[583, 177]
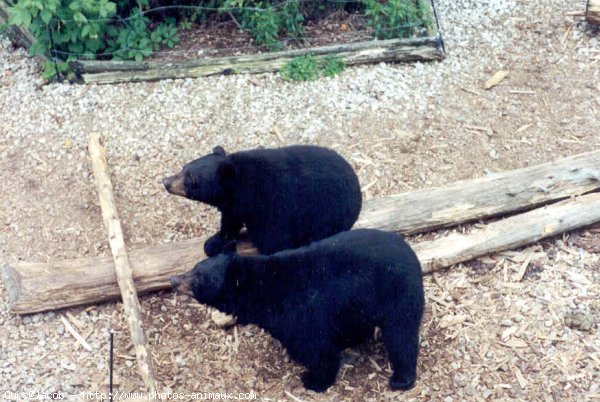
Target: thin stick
[76, 334]
[123, 270]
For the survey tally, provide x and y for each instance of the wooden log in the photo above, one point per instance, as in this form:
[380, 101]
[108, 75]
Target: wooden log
[124, 273]
[493, 195]
[509, 233]
[392, 50]
[21, 36]
[41, 287]
[36, 287]
[592, 14]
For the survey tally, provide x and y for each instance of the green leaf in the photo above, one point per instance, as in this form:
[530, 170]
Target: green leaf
[19, 15]
[85, 31]
[79, 17]
[46, 16]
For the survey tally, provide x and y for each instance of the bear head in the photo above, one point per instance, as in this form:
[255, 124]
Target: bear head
[206, 282]
[207, 179]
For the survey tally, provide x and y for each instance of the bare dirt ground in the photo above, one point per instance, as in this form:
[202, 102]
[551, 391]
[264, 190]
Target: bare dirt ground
[485, 336]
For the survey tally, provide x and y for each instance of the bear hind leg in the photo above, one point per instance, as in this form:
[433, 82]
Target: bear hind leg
[402, 344]
[321, 373]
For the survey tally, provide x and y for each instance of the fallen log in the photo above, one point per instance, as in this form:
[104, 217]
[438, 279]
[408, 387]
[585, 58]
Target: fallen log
[391, 50]
[124, 273]
[34, 287]
[509, 233]
[592, 14]
[493, 195]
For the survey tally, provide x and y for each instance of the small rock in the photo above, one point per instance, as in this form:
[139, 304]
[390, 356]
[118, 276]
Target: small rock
[506, 322]
[579, 320]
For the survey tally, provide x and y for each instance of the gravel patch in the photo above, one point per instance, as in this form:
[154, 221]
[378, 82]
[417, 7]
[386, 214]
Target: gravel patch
[401, 126]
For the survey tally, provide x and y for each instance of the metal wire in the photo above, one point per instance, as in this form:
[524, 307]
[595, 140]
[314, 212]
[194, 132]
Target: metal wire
[368, 33]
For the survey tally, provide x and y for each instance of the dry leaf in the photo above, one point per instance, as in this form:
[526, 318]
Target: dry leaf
[496, 79]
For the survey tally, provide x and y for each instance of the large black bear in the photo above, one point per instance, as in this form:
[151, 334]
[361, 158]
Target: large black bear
[322, 298]
[286, 197]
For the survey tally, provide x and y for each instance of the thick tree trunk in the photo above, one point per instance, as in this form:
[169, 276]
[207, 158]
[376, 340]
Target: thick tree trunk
[593, 12]
[124, 273]
[36, 287]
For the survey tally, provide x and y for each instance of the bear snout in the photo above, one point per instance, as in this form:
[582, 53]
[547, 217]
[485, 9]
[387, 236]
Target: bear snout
[182, 283]
[175, 184]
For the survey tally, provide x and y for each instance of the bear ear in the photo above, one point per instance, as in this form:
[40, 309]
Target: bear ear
[218, 150]
[226, 171]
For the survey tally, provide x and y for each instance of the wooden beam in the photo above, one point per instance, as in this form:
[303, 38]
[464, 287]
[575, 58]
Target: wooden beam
[492, 195]
[124, 273]
[36, 287]
[592, 14]
[392, 50]
[509, 233]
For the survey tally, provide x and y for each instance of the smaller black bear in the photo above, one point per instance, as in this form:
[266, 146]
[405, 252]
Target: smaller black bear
[319, 299]
[286, 197]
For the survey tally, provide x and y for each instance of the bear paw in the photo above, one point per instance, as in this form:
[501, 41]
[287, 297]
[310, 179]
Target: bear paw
[214, 245]
[402, 382]
[316, 382]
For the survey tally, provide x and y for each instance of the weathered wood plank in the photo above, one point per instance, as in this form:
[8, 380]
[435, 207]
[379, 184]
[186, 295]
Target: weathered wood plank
[392, 50]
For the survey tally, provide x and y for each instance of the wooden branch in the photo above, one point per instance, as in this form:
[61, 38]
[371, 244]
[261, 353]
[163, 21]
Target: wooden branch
[492, 195]
[593, 12]
[123, 270]
[516, 231]
[392, 50]
[22, 37]
[36, 287]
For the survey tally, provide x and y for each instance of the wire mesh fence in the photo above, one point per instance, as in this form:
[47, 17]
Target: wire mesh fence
[67, 30]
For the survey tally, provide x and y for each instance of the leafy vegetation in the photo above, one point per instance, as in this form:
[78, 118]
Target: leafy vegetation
[395, 18]
[134, 29]
[67, 29]
[308, 68]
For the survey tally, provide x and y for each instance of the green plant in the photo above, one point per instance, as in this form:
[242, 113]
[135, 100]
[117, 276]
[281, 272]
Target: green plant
[333, 66]
[185, 24]
[308, 68]
[68, 29]
[266, 20]
[303, 68]
[395, 18]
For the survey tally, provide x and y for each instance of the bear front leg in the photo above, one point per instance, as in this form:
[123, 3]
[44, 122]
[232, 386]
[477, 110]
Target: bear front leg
[224, 240]
[214, 245]
[321, 373]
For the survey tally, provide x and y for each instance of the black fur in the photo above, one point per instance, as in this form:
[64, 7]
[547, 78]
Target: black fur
[285, 197]
[320, 299]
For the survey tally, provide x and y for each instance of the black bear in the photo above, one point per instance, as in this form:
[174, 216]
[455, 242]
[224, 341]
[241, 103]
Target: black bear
[286, 197]
[319, 299]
